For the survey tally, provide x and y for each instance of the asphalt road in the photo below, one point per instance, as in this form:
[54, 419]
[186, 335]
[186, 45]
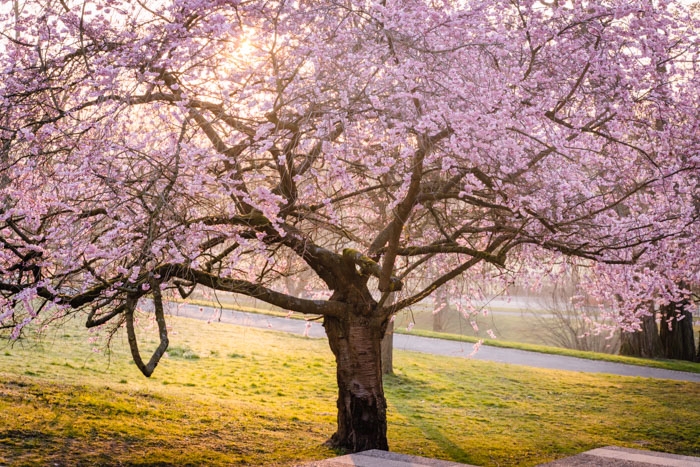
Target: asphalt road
[415, 343]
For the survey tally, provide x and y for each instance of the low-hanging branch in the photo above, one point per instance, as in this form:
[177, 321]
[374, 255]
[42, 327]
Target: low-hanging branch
[130, 306]
[92, 322]
[287, 302]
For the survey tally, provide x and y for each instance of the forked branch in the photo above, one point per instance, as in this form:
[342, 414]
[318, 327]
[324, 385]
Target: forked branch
[369, 267]
[147, 369]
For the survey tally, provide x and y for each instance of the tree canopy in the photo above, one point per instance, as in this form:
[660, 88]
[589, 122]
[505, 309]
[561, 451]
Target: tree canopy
[388, 147]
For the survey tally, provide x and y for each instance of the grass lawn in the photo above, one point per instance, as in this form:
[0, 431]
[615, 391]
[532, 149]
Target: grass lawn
[228, 395]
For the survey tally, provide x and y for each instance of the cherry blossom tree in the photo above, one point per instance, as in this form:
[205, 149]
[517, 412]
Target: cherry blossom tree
[149, 147]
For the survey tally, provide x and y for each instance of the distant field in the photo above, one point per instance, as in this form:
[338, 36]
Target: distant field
[512, 329]
[509, 324]
[235, 396]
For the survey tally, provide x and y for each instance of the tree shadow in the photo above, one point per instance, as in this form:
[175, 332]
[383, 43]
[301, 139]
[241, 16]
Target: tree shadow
[402, 387]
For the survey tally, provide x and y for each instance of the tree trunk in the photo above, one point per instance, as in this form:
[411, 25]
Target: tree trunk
[645, 343]
[388, 343]
[356, 344]
[388, 350]
[440, 318]
[442, 305]
[677, 337]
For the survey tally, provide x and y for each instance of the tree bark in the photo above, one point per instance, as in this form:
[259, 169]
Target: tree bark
[356, 344]
[645, 343]
[388, 350]
[388, 342]
[677, 337]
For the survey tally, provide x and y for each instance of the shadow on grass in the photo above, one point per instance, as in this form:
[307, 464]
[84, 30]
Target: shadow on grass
[407, 403]
[23, 437]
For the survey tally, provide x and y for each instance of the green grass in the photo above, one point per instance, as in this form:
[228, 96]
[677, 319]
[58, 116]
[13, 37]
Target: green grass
[256, 397]
[508, 324]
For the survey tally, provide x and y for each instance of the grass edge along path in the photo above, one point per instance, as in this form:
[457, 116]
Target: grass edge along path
[230, 395]
[675, 365]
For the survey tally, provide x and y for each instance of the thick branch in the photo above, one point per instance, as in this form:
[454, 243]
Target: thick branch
[595, 255]
[498, 260]
[432, 287]
[316, 307]
[369, 267]
[91, 322]
[498, 242]
[252, 219]
[392, 233]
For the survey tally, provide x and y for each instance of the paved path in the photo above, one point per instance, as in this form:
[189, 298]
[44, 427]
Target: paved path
[610, 456]
[534, 359]
[436, 346]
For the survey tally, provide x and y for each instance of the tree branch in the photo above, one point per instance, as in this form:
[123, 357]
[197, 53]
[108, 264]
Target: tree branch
[369, 267]
[498, 260]
[317, 307]
[130, 305]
